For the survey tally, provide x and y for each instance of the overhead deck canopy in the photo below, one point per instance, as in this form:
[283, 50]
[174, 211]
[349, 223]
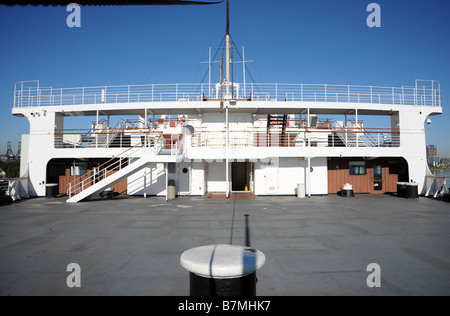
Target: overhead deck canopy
[193, 108]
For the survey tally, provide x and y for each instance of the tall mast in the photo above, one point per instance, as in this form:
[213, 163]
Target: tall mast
[228, 40]
[228, 17]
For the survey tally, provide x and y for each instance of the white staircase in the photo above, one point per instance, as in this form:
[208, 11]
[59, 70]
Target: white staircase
[113, 179]
[124, 165]
[354, 135]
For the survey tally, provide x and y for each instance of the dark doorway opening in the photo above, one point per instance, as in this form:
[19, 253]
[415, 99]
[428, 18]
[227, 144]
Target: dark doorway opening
[400, 167]
[240, 177]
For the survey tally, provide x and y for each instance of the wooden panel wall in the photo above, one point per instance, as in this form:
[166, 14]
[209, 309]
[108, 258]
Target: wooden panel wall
[64, 181]
[339, 174]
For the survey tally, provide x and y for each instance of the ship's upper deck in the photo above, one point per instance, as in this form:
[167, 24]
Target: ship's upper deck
[170, 97]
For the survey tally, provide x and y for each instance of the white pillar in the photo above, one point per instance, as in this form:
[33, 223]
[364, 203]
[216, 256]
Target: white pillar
[308, 173]
[308, 125]
[145, 183]
[357, 125]
[146, 126]
[167, 181]
[227, 162]
[145, 118]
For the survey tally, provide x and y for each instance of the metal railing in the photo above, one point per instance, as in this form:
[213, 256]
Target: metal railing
[103, 138]
[168, 144]
[79, 184]
[303, 137]
[148, 146]
[26, 95]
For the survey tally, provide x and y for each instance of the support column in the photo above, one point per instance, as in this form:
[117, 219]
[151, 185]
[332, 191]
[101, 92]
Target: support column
[145, 183]
[308, 173]
[345, 129]
[96, 136]
[228, 61]
[166, 166]
[227, 144]
[308, 125]
[357, 132]
[146, 126]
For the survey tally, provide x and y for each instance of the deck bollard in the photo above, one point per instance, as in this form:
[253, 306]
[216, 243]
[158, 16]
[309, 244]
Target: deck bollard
[222, 270]
[401, 189]
[347, 191]
[51, 190]
[412, 191]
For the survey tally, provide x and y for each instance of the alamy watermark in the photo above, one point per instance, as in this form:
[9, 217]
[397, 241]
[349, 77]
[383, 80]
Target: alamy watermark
[74, 278]
[374, 18]
[74, 18]
[374, 278]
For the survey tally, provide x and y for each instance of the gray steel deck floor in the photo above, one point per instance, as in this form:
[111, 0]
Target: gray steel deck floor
[317, 246]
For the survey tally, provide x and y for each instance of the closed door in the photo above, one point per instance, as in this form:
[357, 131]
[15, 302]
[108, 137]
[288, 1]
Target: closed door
[184, 176]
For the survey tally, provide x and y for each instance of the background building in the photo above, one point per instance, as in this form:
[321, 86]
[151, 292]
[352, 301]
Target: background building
[432, 156]
[431, 151]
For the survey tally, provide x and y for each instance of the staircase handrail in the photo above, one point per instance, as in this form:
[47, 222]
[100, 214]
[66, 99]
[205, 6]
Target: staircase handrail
[111, 164]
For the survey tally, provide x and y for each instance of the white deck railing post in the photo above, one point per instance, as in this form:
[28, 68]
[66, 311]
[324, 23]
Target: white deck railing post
[301, 89]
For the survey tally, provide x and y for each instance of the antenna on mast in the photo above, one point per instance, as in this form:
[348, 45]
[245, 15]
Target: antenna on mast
[228, 59]
[228, 17]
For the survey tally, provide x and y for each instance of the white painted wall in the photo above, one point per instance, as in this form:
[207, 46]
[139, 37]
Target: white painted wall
[214, 121]
[237, 121]
[413, 142]
[216, 177]
[152, 180]
[281, 176]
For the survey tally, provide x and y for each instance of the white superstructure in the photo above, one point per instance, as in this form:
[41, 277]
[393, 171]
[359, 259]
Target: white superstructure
[225, 137]
[261, 141]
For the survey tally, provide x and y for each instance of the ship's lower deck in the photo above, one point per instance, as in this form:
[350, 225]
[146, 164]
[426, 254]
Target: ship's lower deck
[272, 176]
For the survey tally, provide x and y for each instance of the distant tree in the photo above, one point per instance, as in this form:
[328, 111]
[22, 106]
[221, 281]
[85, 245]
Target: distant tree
[11, 168]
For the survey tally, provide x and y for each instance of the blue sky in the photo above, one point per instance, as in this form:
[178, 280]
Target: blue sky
[291, 41]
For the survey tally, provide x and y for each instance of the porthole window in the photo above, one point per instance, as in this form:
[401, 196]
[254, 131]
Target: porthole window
[185, 170]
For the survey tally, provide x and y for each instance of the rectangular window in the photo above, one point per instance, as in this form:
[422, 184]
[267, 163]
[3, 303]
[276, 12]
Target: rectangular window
[357, 168]
[172, 167]
[80, 169]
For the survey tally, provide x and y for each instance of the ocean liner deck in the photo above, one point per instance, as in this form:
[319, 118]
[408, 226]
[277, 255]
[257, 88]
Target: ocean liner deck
[267, 134]
[225, 137]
